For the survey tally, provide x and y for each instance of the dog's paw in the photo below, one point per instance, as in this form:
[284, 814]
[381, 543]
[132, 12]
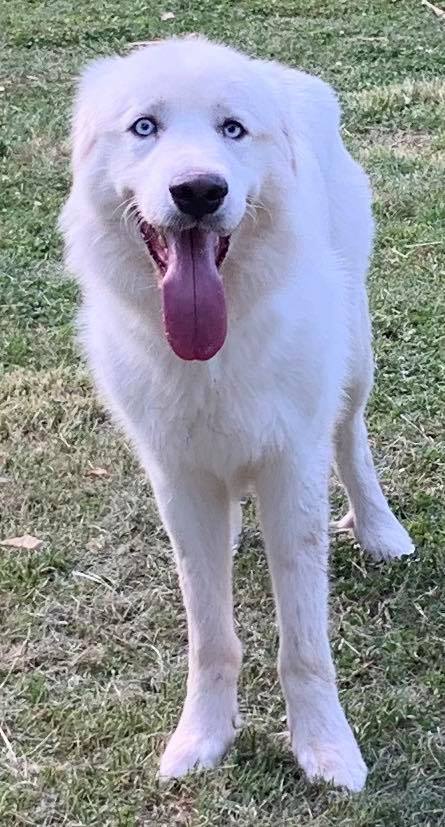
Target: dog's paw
[322, 740]
[383, 538]
[190, 750]
[339, 763]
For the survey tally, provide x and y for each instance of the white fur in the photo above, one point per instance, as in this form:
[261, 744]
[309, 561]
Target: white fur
[289, 385]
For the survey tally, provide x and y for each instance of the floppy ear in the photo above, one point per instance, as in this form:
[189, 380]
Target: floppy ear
[86, 106]
[309, 113]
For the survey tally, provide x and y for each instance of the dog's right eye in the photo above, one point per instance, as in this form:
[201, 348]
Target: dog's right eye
[144, 127]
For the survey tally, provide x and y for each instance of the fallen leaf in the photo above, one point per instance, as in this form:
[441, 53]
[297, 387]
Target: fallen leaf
[167, 15]
[4, 480]
[98, 472]
[27, 541]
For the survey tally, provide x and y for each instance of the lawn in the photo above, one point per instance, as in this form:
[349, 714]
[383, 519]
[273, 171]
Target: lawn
[93, 636]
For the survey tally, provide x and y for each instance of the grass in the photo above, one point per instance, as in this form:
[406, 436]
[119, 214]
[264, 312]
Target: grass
[92, 635]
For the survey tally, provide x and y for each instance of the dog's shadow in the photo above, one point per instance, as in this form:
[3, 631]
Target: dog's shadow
[268, 760]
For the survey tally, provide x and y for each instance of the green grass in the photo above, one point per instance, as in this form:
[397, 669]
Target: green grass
[93, 668]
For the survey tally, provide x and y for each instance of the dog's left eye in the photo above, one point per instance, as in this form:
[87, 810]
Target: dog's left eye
[144, 127]
[234, 130]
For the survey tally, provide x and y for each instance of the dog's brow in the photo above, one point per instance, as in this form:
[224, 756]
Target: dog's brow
[154, 108]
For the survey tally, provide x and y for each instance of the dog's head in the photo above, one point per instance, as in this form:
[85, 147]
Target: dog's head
[184, 137]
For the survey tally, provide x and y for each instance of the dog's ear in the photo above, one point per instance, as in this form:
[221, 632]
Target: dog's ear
[310, 113]
[86, 105]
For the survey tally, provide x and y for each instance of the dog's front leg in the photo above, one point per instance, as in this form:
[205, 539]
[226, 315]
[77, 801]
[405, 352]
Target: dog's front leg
[293, 494]
[195, 509]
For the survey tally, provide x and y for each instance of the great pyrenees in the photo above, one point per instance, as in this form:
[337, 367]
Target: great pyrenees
[221, 232]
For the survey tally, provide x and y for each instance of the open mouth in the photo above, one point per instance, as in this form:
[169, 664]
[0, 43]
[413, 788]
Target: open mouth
[157, 245]
[194, 307]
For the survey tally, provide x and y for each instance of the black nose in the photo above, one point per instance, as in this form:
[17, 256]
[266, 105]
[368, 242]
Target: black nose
[198, 194]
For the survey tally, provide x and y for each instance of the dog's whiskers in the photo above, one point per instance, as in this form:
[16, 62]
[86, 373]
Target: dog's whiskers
[254, 206]
[130, 211]
[125, 202]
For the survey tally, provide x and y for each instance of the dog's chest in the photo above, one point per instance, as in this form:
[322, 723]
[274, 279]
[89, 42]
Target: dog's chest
[237, 419]
[228, 413]
[216, 415]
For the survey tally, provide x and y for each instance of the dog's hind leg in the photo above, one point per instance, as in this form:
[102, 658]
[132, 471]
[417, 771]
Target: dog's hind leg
[371, 520]
[195, 509]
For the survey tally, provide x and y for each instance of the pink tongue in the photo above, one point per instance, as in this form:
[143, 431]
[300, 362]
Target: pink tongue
[193, 296]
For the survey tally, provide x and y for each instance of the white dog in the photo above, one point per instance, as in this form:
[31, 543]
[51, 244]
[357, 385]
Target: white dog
[221, 232]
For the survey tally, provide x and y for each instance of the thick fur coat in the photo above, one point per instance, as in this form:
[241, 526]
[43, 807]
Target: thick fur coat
[285, 394]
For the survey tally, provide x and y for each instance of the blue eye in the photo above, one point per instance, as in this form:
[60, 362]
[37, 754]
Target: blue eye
[233, 130]
[144, 127]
